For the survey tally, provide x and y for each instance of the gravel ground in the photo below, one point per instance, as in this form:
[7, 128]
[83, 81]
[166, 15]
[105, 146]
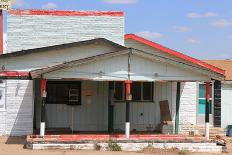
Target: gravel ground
[14, 146]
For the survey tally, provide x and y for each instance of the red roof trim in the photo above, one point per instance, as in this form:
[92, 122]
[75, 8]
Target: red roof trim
[13, 74]
[174, 53]
[65, 13]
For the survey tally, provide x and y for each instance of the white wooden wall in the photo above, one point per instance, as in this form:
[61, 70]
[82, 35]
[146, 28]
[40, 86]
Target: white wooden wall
[226, 105]
[94, 116]
[146, 114]
[90, 116]
[17, 116]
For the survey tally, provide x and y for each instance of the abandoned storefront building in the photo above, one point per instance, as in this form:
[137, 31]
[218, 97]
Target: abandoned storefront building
[76, 71]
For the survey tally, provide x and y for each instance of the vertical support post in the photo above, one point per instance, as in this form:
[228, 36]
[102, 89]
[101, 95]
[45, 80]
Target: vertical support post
[1, 32]
[177, 118]
[111, 107]
[128, 99]
[207, 94]
[43, 95]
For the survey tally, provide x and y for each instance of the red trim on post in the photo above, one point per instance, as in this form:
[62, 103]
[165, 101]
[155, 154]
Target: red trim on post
[65, 13]
[43, 85]
[1, 32]
[174, 53]
[207, 92]
[128, 89]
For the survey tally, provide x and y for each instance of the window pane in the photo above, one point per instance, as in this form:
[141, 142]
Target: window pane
[202, 104]
[136, 91]
[58, 92]
[51, 92]
[147, 91]
[201, 107]
[118, 91]
[202, 91]
[62, 92]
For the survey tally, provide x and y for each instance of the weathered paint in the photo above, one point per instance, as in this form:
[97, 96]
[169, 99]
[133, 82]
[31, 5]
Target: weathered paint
[91, 115]
[53, 57]
[17, 119]
[142, 69]
[173, 53]
[182, 63]
[65, 13]
[45, 30]
[188, 109]
[145, 116]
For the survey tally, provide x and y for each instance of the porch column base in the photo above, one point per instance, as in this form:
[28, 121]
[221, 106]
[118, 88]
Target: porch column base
[207, 130]
[42, 128]
[127, 130]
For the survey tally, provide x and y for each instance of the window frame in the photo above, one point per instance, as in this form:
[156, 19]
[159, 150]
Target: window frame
[200, 98]
[141, 91]
[70, 84]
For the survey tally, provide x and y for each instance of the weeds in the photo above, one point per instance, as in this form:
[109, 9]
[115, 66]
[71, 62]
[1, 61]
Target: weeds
[97, 147]
[113, 146]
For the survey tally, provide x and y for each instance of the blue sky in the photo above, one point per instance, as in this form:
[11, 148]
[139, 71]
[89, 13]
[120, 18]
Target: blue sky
[199, 28]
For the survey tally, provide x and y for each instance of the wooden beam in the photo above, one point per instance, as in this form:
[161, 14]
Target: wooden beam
[177, 118]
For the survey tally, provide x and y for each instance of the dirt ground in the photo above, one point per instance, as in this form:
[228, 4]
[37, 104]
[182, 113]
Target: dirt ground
[14, 146]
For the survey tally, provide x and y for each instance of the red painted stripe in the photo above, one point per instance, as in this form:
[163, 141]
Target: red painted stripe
[174, 53]
[105, 137]
[65, 13]
[13, 74]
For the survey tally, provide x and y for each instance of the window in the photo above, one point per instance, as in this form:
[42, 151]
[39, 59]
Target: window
[202, 99]
[141, 91]
[64, 92]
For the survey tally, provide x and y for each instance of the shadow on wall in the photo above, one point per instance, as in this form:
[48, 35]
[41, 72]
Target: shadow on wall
[19, 107]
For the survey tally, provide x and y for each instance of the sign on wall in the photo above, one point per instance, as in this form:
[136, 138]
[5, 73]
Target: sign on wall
[6, 4]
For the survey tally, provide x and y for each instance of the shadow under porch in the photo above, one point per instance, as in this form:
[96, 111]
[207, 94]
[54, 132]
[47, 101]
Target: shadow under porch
[96, 113]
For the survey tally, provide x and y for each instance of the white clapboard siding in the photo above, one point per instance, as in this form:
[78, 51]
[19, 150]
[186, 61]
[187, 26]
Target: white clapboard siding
[226, 105]
[91, 116]
[54, 57]
[145, 114]
[116, 69]
[19, 107]
[43, 30]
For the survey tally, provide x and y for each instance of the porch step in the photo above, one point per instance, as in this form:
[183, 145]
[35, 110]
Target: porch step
[212, 132]
[193, 147]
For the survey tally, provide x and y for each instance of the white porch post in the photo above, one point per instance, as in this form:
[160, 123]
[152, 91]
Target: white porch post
[43, 95]
[128, 99]
[207, 94]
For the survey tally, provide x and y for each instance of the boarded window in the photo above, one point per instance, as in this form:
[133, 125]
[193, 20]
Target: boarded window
[64, 92]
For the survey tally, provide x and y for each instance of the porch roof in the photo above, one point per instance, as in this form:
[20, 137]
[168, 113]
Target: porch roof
[175, 53]
[208, 71]
[199, 71]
